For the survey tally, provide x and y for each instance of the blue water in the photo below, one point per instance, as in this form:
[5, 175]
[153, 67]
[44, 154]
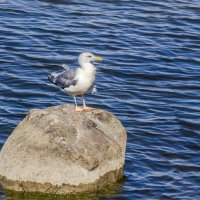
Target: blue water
[150, 79]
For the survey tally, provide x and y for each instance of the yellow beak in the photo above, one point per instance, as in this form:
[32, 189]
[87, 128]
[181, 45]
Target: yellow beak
[98, 59]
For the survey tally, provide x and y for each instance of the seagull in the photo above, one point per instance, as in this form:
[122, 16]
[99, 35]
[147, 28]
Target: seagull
[77, 81]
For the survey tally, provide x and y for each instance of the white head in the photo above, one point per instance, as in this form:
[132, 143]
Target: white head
[86, 58]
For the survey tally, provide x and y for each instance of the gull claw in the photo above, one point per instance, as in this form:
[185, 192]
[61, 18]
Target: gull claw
[77, 109]
[85, 108]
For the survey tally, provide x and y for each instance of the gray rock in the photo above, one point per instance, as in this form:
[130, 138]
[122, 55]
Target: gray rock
[58, 150]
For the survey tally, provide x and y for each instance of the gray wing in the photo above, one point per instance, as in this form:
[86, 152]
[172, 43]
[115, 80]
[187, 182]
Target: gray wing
[64, 79]
[65, 67]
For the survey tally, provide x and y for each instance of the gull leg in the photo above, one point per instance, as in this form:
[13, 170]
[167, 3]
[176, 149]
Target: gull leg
[77, 109]
[84, 105]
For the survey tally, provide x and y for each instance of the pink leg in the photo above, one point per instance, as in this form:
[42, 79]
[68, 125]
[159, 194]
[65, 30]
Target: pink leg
[77, 109]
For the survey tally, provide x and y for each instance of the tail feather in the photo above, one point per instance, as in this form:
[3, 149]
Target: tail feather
[52, 78]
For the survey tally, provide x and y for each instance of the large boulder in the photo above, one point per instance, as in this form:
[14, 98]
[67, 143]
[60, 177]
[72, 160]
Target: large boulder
[58, 150]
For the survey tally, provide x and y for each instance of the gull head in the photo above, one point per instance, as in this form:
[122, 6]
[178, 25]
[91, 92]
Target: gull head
[86, 58]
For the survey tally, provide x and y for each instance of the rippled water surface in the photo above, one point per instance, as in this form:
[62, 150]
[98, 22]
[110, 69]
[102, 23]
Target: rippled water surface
[150, 79]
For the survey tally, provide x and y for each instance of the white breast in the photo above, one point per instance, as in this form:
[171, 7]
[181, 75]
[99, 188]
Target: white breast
[85, 79]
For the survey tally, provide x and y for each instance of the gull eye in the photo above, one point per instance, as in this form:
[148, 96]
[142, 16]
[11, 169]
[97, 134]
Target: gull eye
[89, 56]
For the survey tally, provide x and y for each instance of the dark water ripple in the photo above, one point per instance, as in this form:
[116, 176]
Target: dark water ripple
[150, 79]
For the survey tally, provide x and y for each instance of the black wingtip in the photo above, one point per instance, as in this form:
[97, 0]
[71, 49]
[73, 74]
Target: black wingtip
[51, 78]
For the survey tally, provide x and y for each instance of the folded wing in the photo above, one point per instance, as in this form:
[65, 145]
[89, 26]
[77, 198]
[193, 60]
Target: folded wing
[64, 79]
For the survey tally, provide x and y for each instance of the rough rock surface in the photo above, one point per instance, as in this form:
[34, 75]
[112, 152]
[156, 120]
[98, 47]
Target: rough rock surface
[58, 150]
